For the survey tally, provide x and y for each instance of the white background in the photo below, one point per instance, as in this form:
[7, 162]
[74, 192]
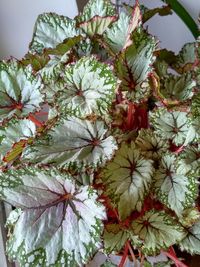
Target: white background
[17, 18]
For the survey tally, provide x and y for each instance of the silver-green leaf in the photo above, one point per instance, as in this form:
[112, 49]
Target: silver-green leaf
[73, 141]
[89, 87]
[128, 178]
[158, 230]
[174, 186]
[57, 218]
[50, 30]
[20, 90]
[13, 133]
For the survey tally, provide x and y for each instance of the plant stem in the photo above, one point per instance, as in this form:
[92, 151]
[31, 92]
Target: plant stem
[184, 15]
[177, 262]
[34, 120]
[132, 254]
[124, 257]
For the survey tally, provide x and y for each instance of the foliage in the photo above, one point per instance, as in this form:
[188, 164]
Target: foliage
[99, 141]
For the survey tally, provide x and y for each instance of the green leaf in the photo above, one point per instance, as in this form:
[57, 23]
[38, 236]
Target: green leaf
[158, 230]
[60, 220]
[134, 65]
[173, 125]
[174, 187]
[73, 141]
[89, 87]
[195, 106]
[14, 136]
[37, 61]
[50, 30]
[20, 90]
[191, 243]
[178, 88]
[128, 178]
[151, 145]
[119, 34]
[162, 11]
[115, 238]
[64, 47]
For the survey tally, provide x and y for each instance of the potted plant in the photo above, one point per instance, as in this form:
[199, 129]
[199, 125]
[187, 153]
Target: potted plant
[99, 142]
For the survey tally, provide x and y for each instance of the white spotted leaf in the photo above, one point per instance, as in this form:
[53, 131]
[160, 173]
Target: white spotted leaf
[173, 125]
[134, 64]
[89, 88]
[59, 221]
[20, 90]
[50, 30]
[73, 141]
[158, 230]
[14, 136]
[191, 243]
[174, 186]
[128, 178]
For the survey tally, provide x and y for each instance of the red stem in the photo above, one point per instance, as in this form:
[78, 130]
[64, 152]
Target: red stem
[37, 122]
[130, 115]
[132, 253]
[177, 262]
[124, 257]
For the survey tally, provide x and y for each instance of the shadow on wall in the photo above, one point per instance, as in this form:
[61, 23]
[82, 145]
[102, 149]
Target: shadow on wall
[81, 4]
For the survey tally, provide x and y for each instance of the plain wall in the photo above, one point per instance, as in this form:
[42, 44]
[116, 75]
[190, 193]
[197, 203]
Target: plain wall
[17, 19]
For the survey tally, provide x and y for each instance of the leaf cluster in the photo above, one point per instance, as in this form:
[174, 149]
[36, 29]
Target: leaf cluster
[99, 140]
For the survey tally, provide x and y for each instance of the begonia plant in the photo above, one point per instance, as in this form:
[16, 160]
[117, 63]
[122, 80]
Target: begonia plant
[99, 142]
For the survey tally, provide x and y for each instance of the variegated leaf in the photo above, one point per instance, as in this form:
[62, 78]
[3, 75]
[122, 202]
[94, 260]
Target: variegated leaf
[191, 158]
[115, 238]
[187, 57]
[20, 90]
[65, 46]
[173, 125]
[128, 179]
[50, 30]
[73, 141]
[191, 243]
[96, 25]
[37, 61]
[189, 217]
[118, 36]
[178, 88]
[174, 187]
[96, 17]
[150, 144]
[134, 65]
[101, 8]
[158, 230]
[14, 136]
[59, 225]
[89, 88]
[115, 36]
